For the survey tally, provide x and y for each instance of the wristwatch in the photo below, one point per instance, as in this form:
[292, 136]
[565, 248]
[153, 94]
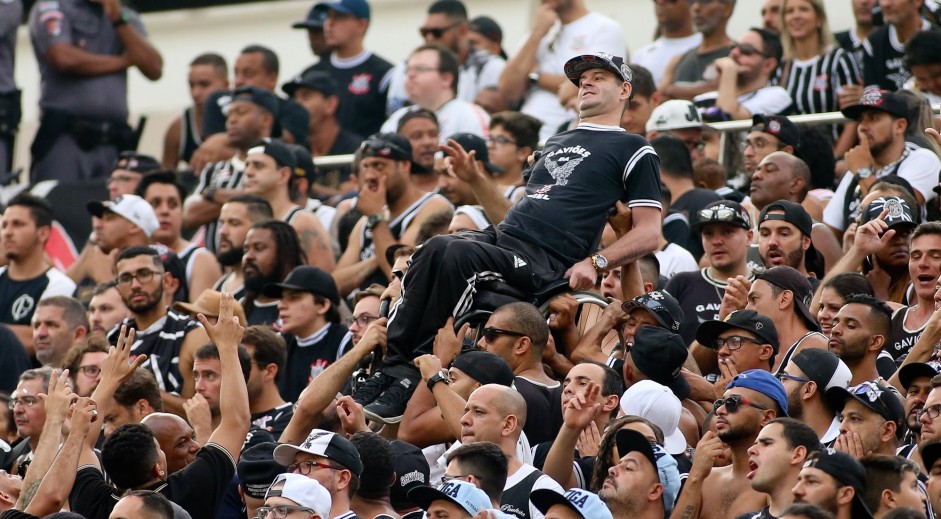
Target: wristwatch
[599, 262]
[122, 20]
[441, 376]
[534, 78]
[864, 173]
[373, 220]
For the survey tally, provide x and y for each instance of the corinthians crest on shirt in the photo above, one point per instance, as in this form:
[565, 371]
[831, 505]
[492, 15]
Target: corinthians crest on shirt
[359, 85]
[560, 164]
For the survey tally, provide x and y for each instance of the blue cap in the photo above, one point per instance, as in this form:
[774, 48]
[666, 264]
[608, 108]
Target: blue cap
[315, 19]
[358, 8]
[763, 382]
[584, 503]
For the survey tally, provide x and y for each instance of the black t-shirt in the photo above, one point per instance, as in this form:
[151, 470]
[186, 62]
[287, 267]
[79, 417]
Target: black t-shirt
[13, 359]
[582, 466]
[161, 342]
[261, 313]
[274, 420]
[579, 177]
[198, 488]
[901, 339]
[16, 514]
[883, 62]
[699, 296]
[291, 117]
[544, 405]
[364, 88]
[309, 356]
[18, 298]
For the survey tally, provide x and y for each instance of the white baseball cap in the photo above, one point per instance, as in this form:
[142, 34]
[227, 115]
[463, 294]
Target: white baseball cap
[130, 207]
[657, 403]
[674, 114]
[302, 490]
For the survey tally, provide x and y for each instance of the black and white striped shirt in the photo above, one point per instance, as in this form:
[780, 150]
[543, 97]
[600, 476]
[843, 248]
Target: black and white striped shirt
[161, 343]
[814, 83]
[229, 174]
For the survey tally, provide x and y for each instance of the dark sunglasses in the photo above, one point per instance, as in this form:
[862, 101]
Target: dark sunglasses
[747, 49]
[734, 403]
[720, 214]
[436, 32]
[490, 333]
[381, 148]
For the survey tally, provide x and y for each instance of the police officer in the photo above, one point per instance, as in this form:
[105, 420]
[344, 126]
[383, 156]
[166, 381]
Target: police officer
[84, 50]
[11, 12]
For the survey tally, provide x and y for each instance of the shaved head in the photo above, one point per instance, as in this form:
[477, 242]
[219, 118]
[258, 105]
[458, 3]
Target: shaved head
[507, 401]
[162, 423]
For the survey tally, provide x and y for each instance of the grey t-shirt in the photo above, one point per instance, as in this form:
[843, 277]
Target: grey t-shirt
[82, 24]
[11, 12]
[692, 65]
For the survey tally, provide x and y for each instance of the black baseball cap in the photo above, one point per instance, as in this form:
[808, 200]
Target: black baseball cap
[930, 454]
[663, 306]
[575, 66]
[824, 367]
[779, 126]
[788, 278]
[747, 320]
[315, 19]
[876, 99]
[258, 96]
[909, 372]
[303, 162]
[848, 471]
[900, 215]
[411, 470]
[472, 142]
[314, 80]
[488, 27]
[484, 367]
[722, 211]
[794, 214]
[874, 396]
[387, 146]
[306, 279]
[257, 468]
[660, 354]
[136, 162]
[279, 151]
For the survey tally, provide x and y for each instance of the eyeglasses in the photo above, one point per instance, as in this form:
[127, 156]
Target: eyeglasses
[733, 342]
[303, 468]
[142, 276]
[758, 144]
[382, 148]
[436, 32]
[784, 376]
[90, 370]
[734, 402]
[933, 412]
[420, 69]
[123, 179]
[445, 478]
[282, 511]
[27, 401]
[490, 334]
[747, 49]
[500, 140]
[362, 320]
[694, 145]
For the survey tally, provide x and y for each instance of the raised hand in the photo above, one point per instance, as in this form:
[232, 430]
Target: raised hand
[351, 415]
[59, 397]
[118, 367]
[448, 342]
[227, 332]
[84, 413]
[582, 409]
[463, 164]
[428, 365]
[708, 449]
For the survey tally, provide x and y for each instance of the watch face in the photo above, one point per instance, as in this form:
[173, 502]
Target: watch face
[864, 172]
[601, 261]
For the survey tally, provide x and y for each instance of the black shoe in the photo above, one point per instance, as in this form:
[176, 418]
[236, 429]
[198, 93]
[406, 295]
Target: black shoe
[390, 407]
[370, 390]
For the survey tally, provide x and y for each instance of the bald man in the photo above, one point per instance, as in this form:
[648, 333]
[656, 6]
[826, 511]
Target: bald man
[175, 437]
[496, 413]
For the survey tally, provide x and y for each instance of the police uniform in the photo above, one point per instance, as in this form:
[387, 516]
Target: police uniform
[18, 298]
[580, 175]
[84, 118]
[11, 12]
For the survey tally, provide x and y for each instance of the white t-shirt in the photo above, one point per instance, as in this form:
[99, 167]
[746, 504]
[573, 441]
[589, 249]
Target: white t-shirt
[766, 100]
[455, 116]
[481, 70]
[920, 169]
[675, 259]
[656, 55]
[589, 34]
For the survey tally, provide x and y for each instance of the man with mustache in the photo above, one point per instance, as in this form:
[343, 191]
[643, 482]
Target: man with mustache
[272, 250]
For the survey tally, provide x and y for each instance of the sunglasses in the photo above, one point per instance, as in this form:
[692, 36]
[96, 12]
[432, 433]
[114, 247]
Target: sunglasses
[734, 403]
[719, 214]
[381, 148]
[747, 49]
[436, 32]
[650, 303]
[490, 333]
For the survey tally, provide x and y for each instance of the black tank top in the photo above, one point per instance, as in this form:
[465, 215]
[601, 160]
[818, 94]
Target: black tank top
[515, 500]
[190, 139]
[901, 339]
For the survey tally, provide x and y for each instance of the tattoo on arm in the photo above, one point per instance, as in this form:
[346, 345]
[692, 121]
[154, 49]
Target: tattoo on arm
[30, 492]
[689, 512]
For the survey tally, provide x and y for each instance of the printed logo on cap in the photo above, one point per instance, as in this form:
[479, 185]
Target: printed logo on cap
[774, 126]
[872, 97]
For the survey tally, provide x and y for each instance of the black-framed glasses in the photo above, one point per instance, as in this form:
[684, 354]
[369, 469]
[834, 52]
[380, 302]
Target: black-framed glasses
[447, 477]
[933, 412]
[363, 320]
[785, 376]
[759, 144]
[305, 467]
[143, 276]
[490, 333]
[436, 32]
[747, 49]
[281, 511]
[25, 401]
[733, 342]
[734, 403]
[500, 140]
[90, 370]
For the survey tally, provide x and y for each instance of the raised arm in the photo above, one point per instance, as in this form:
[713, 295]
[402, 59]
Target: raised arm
[641, 239]
[233, 394]
[578, 414]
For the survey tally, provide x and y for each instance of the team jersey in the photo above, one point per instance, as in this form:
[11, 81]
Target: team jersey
[18, 298]
[364, 86]
[580, 175]
[307, 357]
[901, 339]
[883, 58]
[161, 343]
[190, 137]
[228, 174]
[699, 296]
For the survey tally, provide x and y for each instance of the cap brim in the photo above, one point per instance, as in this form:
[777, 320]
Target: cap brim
[909, 372]
[290, 87]
[284, 453]
[307, 24]
[632, 441]
[423, 496]
[675, 443]
[275, 289]
[709, 331]
[190, 308]
[680, 388]
[96, 208]
[545, 498]
[588, 62]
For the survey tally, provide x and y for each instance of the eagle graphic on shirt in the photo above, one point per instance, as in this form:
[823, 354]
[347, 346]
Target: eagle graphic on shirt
[561, 170]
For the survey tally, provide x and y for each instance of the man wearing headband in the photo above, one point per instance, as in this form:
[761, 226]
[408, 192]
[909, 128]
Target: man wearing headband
[270, 172]
[551, 233]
